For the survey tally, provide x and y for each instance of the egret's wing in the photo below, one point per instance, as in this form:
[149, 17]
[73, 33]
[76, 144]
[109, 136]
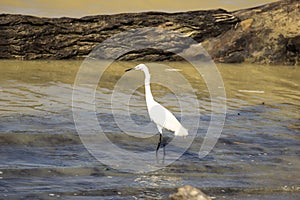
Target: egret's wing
[174, 125]
[164, 118]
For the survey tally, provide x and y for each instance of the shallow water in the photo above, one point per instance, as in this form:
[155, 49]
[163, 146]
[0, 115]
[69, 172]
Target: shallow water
[42, 156]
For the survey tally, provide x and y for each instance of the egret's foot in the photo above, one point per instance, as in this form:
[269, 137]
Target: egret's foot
[163, 158]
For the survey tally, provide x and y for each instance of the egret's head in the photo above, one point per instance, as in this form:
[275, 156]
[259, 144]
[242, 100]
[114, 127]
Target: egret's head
[138, 67]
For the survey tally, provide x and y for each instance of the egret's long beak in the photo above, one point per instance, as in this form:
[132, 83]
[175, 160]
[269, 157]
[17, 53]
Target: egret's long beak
[128, 69]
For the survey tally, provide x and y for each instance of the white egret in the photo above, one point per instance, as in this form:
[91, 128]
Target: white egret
[161, 116]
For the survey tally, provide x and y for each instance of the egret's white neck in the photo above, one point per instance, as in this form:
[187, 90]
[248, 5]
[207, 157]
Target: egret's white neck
[148, 92]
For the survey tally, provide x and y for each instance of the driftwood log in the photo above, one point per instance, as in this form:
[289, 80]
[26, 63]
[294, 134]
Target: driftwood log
[268, 34]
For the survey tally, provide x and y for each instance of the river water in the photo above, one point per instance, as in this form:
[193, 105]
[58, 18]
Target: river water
[43, 157]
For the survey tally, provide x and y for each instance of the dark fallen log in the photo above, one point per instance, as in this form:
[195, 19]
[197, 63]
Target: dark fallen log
[28, 37]
[266, 34]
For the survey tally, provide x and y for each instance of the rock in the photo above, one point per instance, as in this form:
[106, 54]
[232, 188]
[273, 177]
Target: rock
[189, 193]
[267, 34]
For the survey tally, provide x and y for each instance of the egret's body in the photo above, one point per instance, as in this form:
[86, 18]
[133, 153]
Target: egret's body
[161, 116]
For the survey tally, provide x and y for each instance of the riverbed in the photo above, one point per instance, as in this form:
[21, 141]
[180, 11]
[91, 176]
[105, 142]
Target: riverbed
[43, 155]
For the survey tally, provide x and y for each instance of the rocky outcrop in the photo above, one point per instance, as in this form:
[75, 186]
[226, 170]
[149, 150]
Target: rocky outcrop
[266, 34]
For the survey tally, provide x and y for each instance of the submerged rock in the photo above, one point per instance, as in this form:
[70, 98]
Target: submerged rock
[266, 34]
[189, 193]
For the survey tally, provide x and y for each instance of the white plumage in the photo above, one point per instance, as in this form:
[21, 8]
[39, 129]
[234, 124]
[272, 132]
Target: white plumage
[161, 116]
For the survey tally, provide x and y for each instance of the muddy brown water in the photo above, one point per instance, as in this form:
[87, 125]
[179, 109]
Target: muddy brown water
[42, 156]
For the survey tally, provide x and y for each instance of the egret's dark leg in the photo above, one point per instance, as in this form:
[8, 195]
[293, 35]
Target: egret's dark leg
[158, 145]
[164, 153]
[159, 142]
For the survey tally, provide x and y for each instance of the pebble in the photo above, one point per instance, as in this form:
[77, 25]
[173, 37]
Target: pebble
[189, 193]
